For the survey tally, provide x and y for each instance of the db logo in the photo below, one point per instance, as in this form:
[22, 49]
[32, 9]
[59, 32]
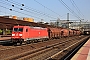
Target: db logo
[17, 34]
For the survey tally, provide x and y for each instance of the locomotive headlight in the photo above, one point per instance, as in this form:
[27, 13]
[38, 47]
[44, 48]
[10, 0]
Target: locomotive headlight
[20, 34]
[13, 34]
[87, 32]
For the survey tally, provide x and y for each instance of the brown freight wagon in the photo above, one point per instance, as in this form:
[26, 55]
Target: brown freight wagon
[64, 32]
[54, 32]
[71, 33]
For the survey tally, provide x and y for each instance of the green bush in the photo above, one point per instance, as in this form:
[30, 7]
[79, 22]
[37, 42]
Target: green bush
[1, 31]
[8, 31]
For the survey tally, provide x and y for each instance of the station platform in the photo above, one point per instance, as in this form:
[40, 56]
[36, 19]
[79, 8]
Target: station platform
[83, 53]
[5, 38]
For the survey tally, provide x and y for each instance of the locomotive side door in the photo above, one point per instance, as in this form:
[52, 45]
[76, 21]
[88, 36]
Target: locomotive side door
[26, 33]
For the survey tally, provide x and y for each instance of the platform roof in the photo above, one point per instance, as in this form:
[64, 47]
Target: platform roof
[9, 23]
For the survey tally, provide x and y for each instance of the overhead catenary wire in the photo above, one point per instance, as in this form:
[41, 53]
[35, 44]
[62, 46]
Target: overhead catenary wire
[76, 7]
[5, 12]
[31, 9]
[47, 7]
[69, 9]
[18, 11]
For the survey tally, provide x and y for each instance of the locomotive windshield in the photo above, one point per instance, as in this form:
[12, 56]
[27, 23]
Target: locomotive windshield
[18, 30]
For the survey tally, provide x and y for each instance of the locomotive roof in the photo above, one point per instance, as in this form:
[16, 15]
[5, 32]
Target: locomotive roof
[31, 27]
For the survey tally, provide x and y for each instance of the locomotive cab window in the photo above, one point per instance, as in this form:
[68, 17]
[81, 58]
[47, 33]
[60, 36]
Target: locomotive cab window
[18, 30]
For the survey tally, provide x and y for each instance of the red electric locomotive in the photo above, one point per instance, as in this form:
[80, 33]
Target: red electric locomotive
[27, 33]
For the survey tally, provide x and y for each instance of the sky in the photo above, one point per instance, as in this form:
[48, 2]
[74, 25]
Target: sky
[47, 10]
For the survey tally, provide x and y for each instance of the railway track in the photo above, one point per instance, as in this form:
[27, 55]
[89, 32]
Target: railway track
[3, 48]
[6, 51]
[68, 49]
[47, 51]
